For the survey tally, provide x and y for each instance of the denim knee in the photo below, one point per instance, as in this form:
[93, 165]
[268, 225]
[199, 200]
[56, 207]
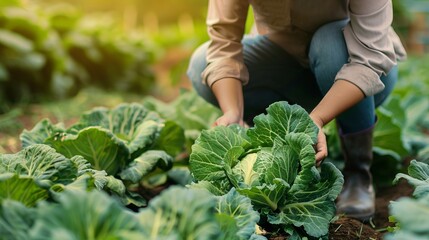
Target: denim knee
[197, 64]
[328, 53]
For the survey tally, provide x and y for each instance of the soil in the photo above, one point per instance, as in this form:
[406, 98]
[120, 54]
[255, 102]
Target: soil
[376, 228]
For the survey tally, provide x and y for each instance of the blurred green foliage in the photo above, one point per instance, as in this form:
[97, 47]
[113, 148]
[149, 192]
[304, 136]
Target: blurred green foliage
[53, 52]
[166, 11]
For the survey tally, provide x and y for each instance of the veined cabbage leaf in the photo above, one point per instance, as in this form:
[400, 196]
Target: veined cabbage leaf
[236, 216]
[83, 215]
[126, 142]
[40, 162]
[418, 177]
[43, 168]
[272, 163]
[181, 213]
[22, 189]
[189, 110]
[135, 126]
[111, 140]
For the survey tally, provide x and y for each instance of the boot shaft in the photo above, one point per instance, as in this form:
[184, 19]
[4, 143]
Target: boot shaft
[357, 199]
[357, 150]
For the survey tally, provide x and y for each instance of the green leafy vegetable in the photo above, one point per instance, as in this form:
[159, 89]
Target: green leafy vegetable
[90, 215]
[180, 213]
[145, 164]
[189, 110]
[22, 189]
[236, 216]
[273, 164]
[418, 177]
[127, 142]
[15, 220]
[412, 216]
[111, 140]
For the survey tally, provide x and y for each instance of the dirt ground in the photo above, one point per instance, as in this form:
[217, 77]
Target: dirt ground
[351, 229]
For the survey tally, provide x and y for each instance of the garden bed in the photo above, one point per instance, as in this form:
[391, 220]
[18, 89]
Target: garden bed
[344, 228]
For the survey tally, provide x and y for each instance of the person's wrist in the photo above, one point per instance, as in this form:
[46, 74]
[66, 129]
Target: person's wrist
[317, 120]
[235, 112]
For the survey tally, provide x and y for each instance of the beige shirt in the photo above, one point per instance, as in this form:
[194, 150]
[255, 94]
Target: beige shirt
[373, 46]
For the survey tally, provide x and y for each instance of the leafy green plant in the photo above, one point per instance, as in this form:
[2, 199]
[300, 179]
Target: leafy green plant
[396, 226]
[418, 177]
[90, 215]
[178, 213]
[272, 163]
[28, 174]
[20, 188]
[412, 89]
[38, 171]
[15, 220]
[53, 52]
[412, 216]
[189, 110]
[197, 214]
[127, 142]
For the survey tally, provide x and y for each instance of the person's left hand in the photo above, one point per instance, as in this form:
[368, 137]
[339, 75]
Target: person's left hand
[321, 145]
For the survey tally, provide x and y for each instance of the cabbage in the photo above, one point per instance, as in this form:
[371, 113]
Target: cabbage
[272, 163]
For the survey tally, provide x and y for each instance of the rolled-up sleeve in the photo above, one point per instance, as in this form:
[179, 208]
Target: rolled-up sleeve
[226, 21]
[370, 45]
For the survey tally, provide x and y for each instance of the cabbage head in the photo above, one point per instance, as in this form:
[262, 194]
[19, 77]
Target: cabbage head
[273, 164]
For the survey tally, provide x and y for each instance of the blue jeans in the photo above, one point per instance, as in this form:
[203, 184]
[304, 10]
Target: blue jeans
[274, 75]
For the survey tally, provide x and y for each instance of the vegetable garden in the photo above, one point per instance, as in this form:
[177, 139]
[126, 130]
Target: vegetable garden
[90, 149]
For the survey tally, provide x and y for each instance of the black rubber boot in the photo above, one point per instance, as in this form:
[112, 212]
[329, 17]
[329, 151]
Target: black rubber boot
[357, 199]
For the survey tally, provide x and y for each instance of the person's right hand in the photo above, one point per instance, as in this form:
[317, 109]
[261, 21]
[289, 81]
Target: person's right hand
[228, 118]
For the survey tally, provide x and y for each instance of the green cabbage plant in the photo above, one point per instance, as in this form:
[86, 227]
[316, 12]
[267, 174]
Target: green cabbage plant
[412, 214]
[83, 215]
[127, 142]
[418, 177]
[177, 213]
[29, 175]
[16, 220]
[181, 213]
[412, 217]
[272, 163]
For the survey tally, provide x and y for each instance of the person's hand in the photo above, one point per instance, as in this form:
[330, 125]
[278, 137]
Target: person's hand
[342, 95]
[228, 118]
[321, 145]
[229, 94]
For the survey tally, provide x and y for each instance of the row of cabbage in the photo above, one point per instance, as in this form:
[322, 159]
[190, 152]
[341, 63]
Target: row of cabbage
[55, 51]
[80, 182]
[84, 176]
[262, 175]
